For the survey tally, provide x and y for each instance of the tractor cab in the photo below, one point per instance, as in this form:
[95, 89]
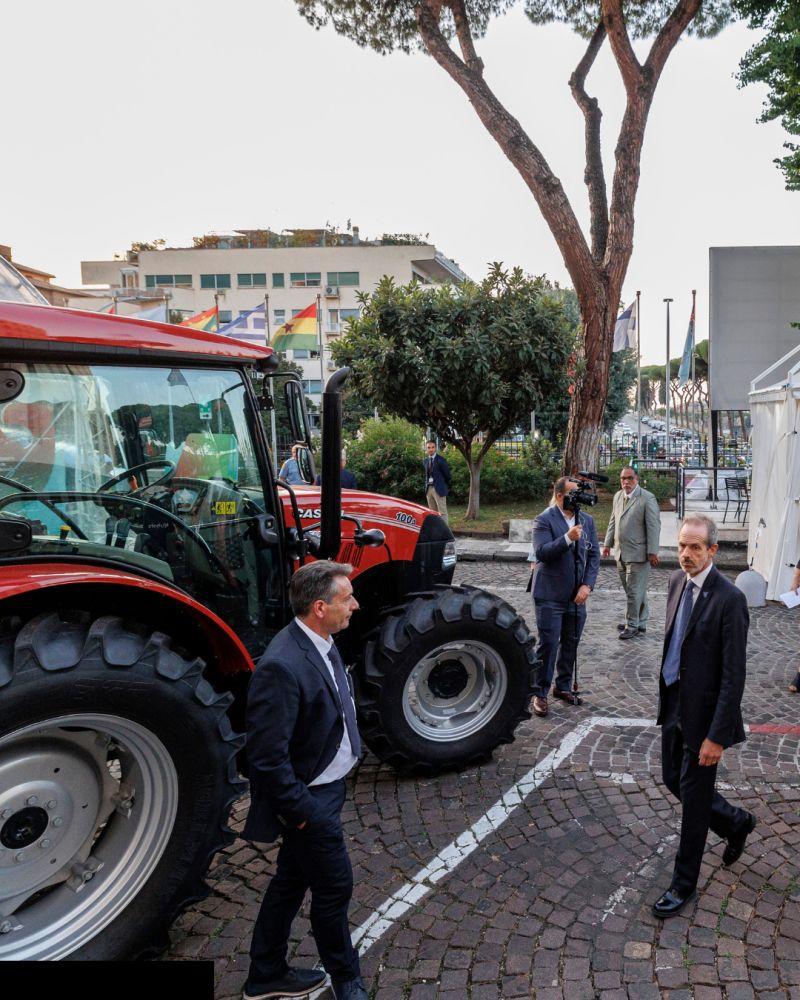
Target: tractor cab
[155, 465]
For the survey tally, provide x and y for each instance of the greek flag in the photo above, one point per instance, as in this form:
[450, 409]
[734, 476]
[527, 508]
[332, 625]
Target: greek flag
[626, 330]
[249, 326]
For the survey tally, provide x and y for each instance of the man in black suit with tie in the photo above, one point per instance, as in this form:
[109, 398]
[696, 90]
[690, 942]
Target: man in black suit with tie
[302, 740]
[701, 685]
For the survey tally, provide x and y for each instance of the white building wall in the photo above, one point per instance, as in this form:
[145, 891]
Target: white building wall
[370, 262]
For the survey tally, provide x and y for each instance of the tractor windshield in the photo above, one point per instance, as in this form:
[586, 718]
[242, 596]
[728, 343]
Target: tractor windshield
[155, 467]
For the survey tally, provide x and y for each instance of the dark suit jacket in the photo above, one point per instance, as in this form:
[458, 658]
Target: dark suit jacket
[555, 558]
[441, 474]
[347, 480]
[713, 658]
[294, 728]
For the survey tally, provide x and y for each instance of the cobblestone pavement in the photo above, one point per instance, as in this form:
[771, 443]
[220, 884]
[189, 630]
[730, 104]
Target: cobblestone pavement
[552, 898]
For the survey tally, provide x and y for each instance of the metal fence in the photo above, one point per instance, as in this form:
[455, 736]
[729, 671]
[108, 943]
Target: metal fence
[714, 490]
[732, 453]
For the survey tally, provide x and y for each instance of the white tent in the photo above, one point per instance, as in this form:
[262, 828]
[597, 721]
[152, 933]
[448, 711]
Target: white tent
[774, 541]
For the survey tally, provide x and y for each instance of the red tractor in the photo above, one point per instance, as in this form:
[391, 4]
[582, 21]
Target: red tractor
[145, 554]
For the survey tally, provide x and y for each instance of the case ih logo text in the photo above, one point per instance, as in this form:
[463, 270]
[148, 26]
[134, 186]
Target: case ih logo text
[310, 513]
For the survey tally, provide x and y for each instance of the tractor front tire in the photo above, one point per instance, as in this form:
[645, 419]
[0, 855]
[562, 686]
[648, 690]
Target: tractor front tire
[117, 774]
[445, 680]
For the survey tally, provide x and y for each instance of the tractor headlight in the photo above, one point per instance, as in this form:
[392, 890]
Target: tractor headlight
[449, 556]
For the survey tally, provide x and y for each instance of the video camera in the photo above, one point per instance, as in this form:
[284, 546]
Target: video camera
[585, 493]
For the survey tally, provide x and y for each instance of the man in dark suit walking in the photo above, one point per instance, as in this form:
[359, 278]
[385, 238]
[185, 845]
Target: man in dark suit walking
[437, 480]
[700, 696]
[302, 740]
[568, 560]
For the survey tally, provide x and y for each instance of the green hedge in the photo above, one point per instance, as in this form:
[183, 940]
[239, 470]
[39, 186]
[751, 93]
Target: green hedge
[388, 458]
[660, 484]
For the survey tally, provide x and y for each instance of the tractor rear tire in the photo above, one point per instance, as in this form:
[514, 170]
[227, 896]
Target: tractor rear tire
[117, 774]
[445, 680]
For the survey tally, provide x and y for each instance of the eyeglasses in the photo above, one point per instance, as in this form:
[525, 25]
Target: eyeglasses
[627, 477]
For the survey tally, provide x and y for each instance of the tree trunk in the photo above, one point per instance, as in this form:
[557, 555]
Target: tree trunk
[474, 502]
[588, 402]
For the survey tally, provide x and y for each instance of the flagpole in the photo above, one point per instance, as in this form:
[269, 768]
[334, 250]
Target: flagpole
[273, 393]
[694, 427]
[639, 375]
[216, 310]
[667, 384]
[321, 359]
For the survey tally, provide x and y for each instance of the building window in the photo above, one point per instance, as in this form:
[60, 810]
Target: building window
[215, 281]
[224, 316]
[277, 281]
[278, 317]
[168, 281]
[312, 385]
[305, 279]
[251, 280]
[343, 278]
[300, 355]
[337, 319]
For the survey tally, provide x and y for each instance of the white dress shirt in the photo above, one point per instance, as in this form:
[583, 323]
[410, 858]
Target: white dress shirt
[698, 581]
[570, 519]
[344, 760]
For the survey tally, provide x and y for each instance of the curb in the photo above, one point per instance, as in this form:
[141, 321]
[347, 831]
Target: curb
[723, 559]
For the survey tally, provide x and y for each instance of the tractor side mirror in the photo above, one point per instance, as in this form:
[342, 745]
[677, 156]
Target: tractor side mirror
[371, 538]
[305, 463]
[15, 535]
[298, 415]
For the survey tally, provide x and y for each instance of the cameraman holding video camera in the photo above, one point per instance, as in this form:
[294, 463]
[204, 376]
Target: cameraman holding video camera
[568, 558]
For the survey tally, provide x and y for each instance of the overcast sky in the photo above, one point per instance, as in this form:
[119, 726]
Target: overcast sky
[174, 118]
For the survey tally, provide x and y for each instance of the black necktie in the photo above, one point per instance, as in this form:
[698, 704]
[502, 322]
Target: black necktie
[346, 700]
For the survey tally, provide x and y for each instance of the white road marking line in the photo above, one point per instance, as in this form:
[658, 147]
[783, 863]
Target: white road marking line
[450, 857]
[646, 868]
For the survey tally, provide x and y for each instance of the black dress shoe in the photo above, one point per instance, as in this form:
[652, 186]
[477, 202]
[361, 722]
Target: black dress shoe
[671, 903]
[736, 842]
[570, 697]
[352, 989]
[629, 633]
[622, 627]
[642, 630]
[296, 983]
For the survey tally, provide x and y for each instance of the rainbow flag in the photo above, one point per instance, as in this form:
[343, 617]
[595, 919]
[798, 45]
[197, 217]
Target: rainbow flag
[299, 333]
[207, 321]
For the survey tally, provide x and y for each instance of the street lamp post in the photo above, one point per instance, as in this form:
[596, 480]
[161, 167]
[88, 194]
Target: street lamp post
[666, 383]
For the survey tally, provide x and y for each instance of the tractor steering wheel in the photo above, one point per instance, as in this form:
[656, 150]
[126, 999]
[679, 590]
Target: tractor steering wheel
[159, 463]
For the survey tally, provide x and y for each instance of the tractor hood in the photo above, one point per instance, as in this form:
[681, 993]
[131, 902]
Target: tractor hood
[400, 520]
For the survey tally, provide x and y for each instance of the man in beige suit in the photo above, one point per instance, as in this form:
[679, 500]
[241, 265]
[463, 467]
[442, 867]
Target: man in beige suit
[633, 534]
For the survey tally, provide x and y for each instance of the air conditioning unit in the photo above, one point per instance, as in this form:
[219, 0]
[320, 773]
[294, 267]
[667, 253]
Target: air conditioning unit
[331, 366]
[332, 291]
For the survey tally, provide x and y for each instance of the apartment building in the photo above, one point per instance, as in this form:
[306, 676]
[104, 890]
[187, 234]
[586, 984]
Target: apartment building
[288, 278]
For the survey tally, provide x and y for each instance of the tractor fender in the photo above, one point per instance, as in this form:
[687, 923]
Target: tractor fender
[228, 654]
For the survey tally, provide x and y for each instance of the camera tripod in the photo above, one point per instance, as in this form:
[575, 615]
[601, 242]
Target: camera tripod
[575, 693]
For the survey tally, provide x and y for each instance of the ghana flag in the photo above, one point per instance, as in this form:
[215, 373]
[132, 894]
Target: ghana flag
[207, 321]
[299, 333]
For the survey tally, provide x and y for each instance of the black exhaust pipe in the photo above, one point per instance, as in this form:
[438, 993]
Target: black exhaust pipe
[331, 526]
